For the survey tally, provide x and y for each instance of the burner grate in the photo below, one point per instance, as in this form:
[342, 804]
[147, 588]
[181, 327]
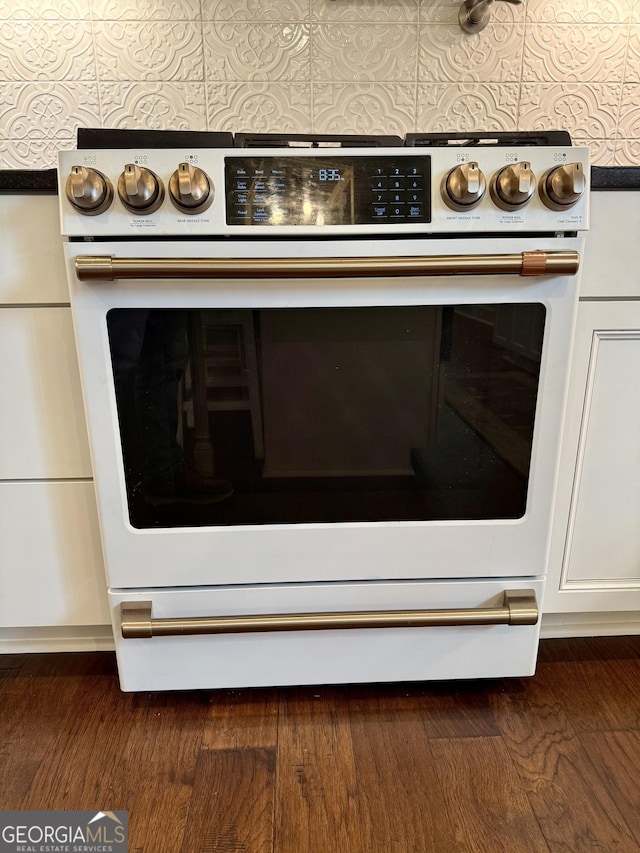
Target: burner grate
[103, 137]
[122, 138]
[314, 140]
[491, 140]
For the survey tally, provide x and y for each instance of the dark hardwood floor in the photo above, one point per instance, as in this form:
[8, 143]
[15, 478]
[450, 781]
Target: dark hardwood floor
[549, 763]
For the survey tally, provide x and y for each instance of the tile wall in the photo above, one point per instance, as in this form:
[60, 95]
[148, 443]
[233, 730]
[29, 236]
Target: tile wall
[344, 66]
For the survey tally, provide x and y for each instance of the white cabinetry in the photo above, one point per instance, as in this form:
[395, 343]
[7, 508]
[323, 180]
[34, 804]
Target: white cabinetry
[52, 586]
[595, 545]
[44, 434]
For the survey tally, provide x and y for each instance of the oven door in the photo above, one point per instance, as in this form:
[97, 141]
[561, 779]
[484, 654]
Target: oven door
[279, 422]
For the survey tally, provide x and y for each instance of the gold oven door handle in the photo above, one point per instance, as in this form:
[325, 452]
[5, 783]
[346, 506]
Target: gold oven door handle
[519, 607]
[105, 268]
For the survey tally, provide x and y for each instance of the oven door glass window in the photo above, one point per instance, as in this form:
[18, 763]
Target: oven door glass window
[285, 416]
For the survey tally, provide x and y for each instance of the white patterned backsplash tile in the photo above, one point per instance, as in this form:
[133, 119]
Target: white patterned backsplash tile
[601, 151]
[445, 57]
[145, 10]
[579, 11]
[365, 11]
[627, 152]
[46, 51]
[268, 52]
[32, 153]
[364, 52]
[259, 107]
[36, 111]
[632, 67]
[347, 66]
[575, 54]
[45, 10]
[156, 106]
[466, 107]
[587, 111]
[629, 121]
[439, 11]
[136, 51]
[256, 10]
[386, 108]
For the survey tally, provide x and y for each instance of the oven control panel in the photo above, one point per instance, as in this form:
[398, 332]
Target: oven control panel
[279, 193]
[328, 190]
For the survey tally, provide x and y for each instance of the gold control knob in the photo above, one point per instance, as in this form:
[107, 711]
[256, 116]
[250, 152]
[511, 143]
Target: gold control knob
[562, 186]
[190, 189]
[513, 187]
[88, 190]
[140, 190]
[463, 188]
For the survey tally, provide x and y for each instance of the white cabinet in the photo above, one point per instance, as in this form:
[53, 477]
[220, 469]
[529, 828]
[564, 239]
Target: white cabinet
[51, 570]
[610, 264]
[594, 567]
[31, 256]
[52, 586]
[603, 544]
[50, 553]
[43, 427]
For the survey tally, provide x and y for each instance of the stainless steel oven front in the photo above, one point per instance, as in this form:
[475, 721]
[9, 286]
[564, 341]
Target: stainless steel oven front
[324, 394]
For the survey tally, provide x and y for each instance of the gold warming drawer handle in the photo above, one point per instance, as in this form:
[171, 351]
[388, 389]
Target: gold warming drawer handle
[92, 268]
[519, 607]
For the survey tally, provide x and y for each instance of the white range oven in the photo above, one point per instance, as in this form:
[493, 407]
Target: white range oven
[324, 389]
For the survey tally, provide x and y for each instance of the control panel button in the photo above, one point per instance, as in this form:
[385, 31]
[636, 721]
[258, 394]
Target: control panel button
[463, 188]
[141, 190]
[562, 186]
[88, 190]
[513, 187]
[190, 189]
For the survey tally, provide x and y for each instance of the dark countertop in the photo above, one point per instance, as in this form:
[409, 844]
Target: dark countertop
[44, 181]
[29, 181]
[615, 177]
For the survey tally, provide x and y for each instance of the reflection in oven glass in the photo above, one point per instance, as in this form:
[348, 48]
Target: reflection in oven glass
[285, 416]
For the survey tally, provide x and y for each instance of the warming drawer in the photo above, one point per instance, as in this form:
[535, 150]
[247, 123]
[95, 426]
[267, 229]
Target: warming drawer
[288, 634]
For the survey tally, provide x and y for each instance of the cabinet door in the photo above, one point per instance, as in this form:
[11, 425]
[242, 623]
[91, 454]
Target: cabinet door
[31, 253]
[50, 556]
[609, 269]
[595, 548]
[43, 433]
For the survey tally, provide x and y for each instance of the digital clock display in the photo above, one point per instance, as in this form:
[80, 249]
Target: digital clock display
[330, 175]
[336, 190]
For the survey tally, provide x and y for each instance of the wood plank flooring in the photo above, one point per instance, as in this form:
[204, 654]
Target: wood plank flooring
[549, 763]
